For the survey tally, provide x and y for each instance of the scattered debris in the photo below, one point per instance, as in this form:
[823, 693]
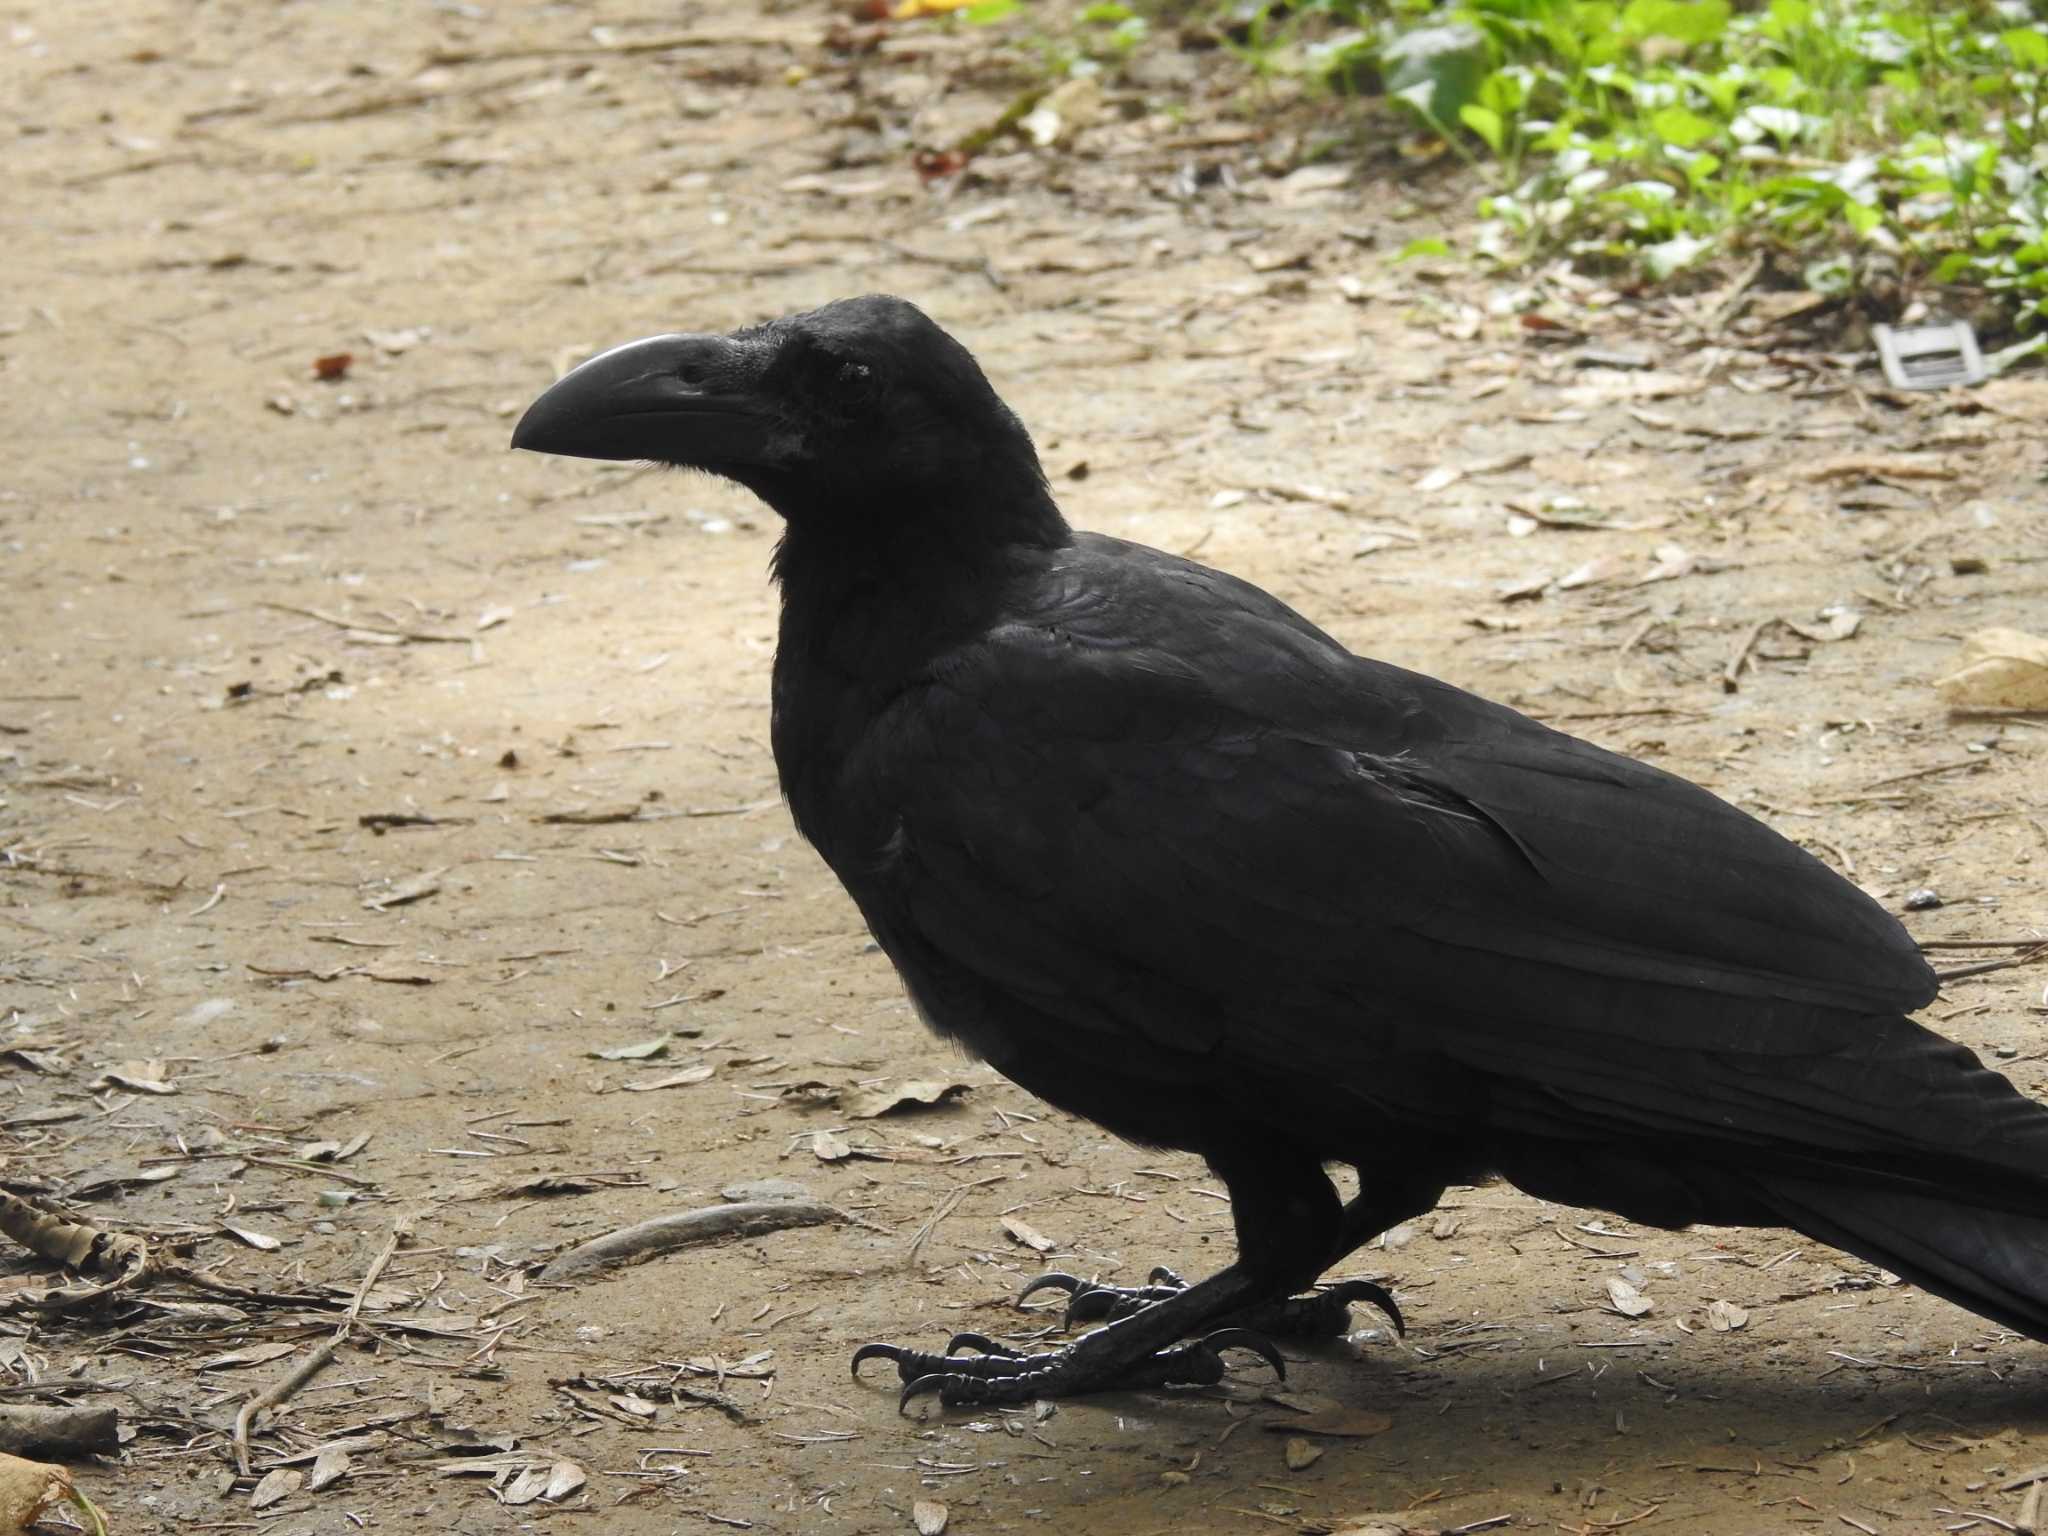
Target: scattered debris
[1929, 356]
[907, 1096]
[1726, 1317]
[2000, 669]
[1029, 1236]
[418, 888]
[1626, 1299]
[683, 1229]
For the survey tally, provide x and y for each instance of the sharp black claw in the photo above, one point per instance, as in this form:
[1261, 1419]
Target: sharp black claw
[1161, 1275]
[893, 1353]
[1378, 1295]
[981, 1343]
[919, 1388]
[1054, 1280]
[1244, 1338]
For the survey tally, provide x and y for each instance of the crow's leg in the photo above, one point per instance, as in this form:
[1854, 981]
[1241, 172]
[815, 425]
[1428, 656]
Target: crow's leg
[1287, 1219]
[1319, 1315]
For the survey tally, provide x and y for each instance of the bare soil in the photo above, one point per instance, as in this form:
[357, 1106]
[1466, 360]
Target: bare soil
[248, 613]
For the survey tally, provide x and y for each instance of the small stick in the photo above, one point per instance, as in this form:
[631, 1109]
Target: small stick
[277, 1394]
[681, 1228]
[1736, 662]
[1983, 943]
[421, 636]
[1992, 965]
[283, 1391]
[1967, 765]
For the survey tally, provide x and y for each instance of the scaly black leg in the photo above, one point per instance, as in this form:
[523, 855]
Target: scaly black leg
[1287, 1218]
[1321, 1315]
[1003, 1375]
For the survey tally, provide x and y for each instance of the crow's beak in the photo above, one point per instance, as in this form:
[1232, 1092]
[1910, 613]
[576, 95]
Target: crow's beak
[690, 400]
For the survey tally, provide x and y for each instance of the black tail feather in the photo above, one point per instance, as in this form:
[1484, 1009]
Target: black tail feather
[1990, 1260]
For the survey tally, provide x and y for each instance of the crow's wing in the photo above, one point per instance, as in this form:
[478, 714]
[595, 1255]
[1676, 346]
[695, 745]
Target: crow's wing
[1161, 803]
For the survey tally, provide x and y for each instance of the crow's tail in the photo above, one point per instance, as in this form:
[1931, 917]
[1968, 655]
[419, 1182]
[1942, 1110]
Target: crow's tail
[1989, 1259]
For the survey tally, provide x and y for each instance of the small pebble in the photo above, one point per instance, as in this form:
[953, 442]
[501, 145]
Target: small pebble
[1925, 899]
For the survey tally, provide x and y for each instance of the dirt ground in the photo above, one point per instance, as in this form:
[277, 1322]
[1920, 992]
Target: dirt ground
[360, 779]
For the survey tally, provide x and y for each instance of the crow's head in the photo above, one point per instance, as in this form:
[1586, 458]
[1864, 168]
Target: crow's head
[861, 410]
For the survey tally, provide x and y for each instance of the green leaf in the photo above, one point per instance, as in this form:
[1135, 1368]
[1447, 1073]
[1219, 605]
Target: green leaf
[1485, 122]
[1724, 91]
[1682, 126]
[1789, 16]
[989, 11]
[1505, 91]
[2027, 45]
[1689, 21]
[1436, 69]
[1428, 245]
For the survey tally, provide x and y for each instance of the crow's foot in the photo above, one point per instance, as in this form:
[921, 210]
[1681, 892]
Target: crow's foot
[1320, 1315]
[999, 1375]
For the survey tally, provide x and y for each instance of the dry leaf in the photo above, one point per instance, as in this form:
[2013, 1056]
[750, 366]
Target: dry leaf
[1029, 1236]
[418, 888]
[830, 1146]
[1302, 1453]
[2001, 669]
[529, 1485]
[1836, 624]
[1626, 1299]
[330, 1466]
[138, 1076]
[276, 1486]
[904, 1096]
[1672, 560]
[254, 1239]
[1592, 573]
[1443, 477]
[680, 1079]
[564, 1478]
[640, 1050]
[1726, 1317]
[929, 1516]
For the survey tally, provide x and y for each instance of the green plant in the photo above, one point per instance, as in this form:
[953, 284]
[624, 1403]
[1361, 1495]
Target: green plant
[1655, 134]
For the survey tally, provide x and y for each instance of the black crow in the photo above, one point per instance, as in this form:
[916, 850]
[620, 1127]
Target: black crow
[1166, 854]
